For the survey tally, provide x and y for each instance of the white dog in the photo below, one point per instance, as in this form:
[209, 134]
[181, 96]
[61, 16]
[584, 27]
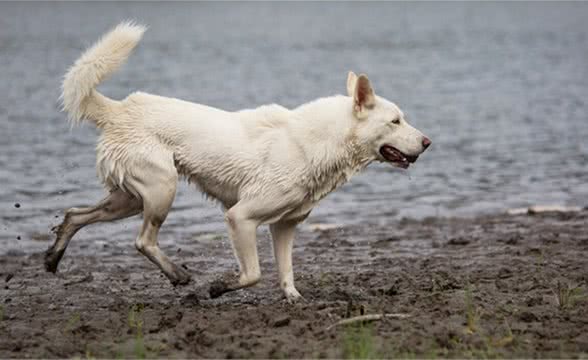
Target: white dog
[268, 165]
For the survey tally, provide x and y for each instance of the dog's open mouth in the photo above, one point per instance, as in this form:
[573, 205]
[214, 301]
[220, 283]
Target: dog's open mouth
[393, 155]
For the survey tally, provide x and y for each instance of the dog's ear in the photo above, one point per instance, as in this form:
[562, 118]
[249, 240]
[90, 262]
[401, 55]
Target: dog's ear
[351, 81]
[364, 97]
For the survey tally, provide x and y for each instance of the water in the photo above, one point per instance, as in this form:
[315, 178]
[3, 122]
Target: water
[500, 88]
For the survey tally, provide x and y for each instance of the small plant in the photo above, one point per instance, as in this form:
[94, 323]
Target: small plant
[472, 312]
[324, 279]
[136, 323]
[506, 340]
[89, 354]
[71, 323]
[359, 343]
[566, 295]
[541, 261]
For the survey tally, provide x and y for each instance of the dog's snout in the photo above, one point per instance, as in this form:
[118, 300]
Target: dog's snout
[426, 142]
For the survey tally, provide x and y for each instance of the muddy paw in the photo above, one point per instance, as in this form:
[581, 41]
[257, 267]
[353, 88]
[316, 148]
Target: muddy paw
[294, 297]
[180, 277]
[52, 259]
[185, 280]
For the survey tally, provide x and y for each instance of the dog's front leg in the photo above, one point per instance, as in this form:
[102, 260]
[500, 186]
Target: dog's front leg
[242, 221]
[242, 231]
[283, 237]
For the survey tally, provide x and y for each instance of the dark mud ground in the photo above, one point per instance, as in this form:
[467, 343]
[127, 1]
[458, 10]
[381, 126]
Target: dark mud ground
[493, 286]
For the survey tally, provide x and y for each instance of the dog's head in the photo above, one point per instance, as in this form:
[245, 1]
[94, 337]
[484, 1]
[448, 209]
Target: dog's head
[381, 125]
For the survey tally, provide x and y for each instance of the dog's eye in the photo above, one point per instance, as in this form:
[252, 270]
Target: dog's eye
[396, 121]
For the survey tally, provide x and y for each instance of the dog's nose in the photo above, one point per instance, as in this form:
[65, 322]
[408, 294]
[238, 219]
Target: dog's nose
[426, 142]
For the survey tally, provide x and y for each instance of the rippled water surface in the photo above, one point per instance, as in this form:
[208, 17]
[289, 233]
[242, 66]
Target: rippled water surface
[501, 88]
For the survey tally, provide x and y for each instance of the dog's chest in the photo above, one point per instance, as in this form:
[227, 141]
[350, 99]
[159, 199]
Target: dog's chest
[321, 184]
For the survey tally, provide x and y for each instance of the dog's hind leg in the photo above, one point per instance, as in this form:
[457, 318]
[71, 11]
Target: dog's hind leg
[117, 205]
[242, 231]
[158, 193]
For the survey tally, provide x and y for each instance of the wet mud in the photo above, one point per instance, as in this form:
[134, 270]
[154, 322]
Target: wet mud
[492, 286]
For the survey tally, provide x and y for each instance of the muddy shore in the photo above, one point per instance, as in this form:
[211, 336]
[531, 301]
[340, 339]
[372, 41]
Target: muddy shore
[491, 286]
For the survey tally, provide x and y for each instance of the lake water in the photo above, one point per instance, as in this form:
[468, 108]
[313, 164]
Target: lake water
[500, 88]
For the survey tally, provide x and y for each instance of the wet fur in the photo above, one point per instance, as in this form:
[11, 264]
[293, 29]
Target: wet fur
[269, 165]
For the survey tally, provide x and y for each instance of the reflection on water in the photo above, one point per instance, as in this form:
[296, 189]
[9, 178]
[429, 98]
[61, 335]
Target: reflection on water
[500, 88]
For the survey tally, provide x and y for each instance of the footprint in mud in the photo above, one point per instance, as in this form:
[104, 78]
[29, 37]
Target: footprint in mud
[458, 241]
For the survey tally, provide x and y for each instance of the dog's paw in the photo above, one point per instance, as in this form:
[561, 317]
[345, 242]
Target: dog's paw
[52, 259]
[293, 296]
[180, 281]
[180, 277]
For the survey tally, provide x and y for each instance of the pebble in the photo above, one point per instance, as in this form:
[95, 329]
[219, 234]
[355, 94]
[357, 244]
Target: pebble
[528, 316]
[17, 205]
[281, 321]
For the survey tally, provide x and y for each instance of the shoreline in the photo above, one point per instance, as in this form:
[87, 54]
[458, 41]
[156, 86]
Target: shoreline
[486, 286]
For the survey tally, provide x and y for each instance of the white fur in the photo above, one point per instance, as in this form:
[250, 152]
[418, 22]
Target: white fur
[268, 165]
[97, 63]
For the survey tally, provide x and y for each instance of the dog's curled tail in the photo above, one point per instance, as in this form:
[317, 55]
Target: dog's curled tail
[79, 97]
